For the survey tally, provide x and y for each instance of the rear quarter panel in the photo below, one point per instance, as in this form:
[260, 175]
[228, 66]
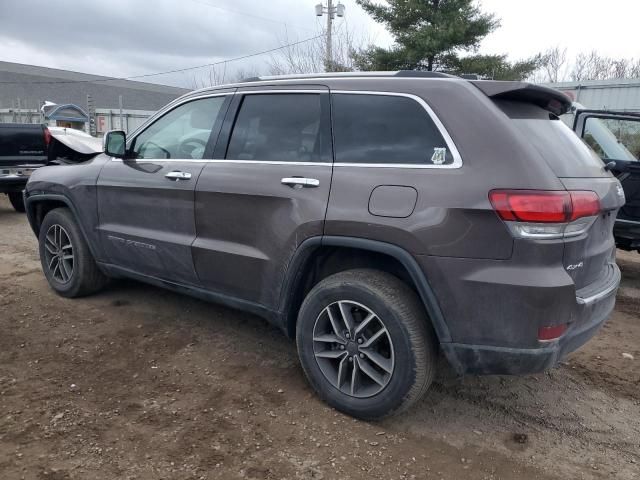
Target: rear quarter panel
[453, 216]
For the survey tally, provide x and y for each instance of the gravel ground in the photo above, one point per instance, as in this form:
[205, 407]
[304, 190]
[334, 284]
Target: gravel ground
[140, 383]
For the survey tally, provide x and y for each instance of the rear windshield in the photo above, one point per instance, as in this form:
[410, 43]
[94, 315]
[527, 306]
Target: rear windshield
[564, 152]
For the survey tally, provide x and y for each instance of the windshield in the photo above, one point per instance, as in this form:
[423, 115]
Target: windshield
[613, 139]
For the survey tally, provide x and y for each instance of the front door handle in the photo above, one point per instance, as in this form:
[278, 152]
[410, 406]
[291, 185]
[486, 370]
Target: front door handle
[300, 182]
[177, 175]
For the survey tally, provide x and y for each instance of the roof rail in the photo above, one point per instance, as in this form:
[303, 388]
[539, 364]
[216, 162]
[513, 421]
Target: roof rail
[397, 73]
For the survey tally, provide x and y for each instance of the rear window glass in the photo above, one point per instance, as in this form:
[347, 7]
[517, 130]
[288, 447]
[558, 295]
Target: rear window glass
[385, 129]
[559, 146]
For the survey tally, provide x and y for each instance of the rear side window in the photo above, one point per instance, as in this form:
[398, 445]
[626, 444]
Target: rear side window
[559, 146]
[286, 127]
[371, 128]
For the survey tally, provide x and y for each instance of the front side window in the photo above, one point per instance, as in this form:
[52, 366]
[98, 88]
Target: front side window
[386, 129]
[285, 127]
[182, 133]
[613, 138]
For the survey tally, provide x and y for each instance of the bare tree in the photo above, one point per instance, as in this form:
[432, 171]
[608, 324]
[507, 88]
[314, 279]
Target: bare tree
[620, 68]
[553, 63]
[579, 70]
[310, 57]
[634, 69]
[556, 67]
[301, 58]
[598, 67]
[221, 74]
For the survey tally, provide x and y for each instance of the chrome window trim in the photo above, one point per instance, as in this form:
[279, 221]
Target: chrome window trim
[170, 106]
[270, 91]
[249, 162]
[182, 100]
[457, 159]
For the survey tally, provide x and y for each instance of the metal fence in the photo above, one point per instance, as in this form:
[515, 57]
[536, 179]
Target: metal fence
[105, 119]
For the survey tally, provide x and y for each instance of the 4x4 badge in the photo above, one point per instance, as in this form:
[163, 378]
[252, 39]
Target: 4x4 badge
[439, 155]
[575, 266]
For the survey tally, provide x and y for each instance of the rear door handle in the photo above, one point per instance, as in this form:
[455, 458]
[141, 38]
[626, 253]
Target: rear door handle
[177, 175]
[300, 182]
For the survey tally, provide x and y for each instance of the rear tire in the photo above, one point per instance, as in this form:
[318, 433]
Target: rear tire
[66, 260]
[392, 372]
[17, 201]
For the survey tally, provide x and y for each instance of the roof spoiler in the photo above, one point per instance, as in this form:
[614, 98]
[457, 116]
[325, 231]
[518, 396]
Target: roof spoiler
[551, 100]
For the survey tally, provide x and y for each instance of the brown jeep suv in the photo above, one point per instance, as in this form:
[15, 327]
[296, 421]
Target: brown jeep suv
[379, 219]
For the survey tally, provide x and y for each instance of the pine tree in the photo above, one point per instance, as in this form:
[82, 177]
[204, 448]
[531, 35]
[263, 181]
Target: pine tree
[431, 35]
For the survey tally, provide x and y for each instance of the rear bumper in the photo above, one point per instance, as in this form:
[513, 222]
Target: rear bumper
[12, 183]
[14, 179]
[593, 305]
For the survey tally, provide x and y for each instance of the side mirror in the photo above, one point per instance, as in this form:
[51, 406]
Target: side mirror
[114, 143]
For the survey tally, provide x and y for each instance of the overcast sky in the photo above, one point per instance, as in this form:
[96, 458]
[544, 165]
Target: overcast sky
[132, 37]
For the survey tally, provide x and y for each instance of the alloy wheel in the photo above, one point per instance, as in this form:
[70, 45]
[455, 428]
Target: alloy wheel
[58, 251]
[353, 349]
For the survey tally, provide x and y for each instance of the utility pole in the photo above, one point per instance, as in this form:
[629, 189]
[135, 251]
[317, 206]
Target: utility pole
[331, 12]
[329, 62]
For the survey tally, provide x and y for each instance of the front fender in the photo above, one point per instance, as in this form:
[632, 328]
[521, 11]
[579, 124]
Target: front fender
[73, 186]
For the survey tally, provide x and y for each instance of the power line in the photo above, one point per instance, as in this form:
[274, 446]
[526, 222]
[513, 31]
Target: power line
[177, 70]
[252, 15]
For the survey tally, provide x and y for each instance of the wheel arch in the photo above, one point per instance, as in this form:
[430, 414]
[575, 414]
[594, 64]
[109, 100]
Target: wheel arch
[315, 259]
[37, 206]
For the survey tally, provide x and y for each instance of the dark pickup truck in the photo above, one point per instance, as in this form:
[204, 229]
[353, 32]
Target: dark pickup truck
[23, 148]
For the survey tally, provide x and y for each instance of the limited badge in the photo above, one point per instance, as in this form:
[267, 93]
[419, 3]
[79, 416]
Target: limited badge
[439, 156]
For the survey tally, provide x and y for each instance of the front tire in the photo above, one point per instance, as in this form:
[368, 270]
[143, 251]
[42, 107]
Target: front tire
[66, 260]
[365, 343]
[17, 201]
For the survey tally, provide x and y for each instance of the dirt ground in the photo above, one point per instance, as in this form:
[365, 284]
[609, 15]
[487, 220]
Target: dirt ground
[139, 383]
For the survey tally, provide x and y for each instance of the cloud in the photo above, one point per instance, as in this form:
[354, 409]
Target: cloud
[130, 37]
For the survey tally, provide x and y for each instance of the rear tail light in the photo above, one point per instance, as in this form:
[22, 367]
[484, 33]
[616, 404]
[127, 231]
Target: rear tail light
[584, 204]
[47, 136]
[544, 213]
[553, 332]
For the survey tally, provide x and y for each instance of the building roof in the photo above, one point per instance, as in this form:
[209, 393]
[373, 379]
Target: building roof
[33, 85]
[68, 112]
